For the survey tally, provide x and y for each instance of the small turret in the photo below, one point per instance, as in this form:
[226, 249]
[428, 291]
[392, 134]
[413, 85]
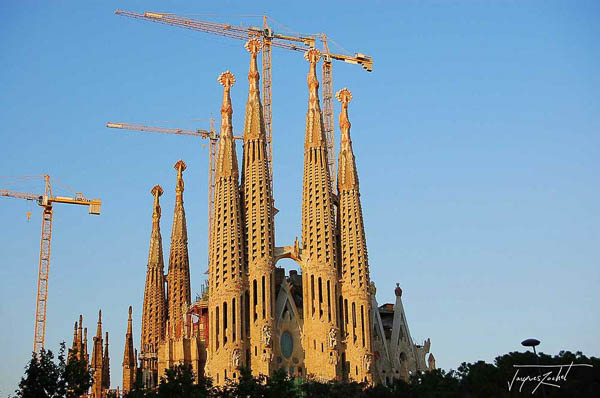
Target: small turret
[106, 366]
[73, 350]
[129, 358]
[97, 365]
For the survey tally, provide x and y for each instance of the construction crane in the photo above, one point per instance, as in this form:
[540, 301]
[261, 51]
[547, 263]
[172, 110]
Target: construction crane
[46, 201]
[213, 138]
[271, 39]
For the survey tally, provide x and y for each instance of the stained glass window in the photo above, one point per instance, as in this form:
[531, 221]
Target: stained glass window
[287, 344]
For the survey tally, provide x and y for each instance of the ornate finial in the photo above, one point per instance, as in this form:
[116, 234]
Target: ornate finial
[99, 316]
[106, 338]
[129, 322]
[227, 79]
[344, 96]
[253, 46]
[156, 191]
[313, 56]
[180, 167]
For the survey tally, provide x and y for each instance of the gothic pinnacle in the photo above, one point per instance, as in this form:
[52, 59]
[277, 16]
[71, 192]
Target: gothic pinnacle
[315, 135]
[347, 176]
[129, 322]
[180, 166]
[227, 79]
[79, 334]
[178, 277]
[344, 96]
[313, 56]
[253, 46]
[355, 282]
[226, 163]
[154, 307]
[99, 329]
[157, 191]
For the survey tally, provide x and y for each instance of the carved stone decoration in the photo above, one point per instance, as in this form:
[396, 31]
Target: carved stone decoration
[333, 357]
[236, 358]
[267, 355]
[372, 289]
[367, 362]
[267, 335]
[332, 338]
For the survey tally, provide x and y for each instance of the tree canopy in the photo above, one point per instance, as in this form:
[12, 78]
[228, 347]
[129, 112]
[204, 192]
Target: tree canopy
[46, 378]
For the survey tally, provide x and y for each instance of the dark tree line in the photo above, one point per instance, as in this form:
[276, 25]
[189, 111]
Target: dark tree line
[478, 379]
[46, 379]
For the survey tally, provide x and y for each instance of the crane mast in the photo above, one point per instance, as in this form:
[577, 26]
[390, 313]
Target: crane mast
[46, 201]
[213, 138]
[301, 43]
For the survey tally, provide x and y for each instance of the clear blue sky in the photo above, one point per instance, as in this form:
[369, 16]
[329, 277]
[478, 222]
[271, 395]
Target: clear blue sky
[476, 138]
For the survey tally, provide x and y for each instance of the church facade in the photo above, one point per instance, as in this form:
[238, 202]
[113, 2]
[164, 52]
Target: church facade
[323, 322]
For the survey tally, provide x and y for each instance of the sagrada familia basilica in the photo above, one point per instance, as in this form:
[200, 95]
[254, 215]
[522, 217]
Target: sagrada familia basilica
[323, 323]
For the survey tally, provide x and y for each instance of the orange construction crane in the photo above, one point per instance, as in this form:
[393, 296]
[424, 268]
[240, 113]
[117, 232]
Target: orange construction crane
[269, 38]
[213, 138]
[46, 201]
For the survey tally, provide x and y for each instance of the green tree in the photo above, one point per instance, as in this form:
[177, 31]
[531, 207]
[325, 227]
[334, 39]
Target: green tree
[76, 376]
[280, 384]
[179, 382]
[435, 384]
[41, 379]
[44, 378]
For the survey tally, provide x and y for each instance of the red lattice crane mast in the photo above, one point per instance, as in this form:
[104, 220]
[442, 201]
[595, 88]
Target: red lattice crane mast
[271, 39]
[46, 201]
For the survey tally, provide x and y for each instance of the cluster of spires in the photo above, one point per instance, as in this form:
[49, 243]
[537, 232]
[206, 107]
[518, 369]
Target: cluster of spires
[242, 252]
[333, 257]
[100, 360]
[165, 309]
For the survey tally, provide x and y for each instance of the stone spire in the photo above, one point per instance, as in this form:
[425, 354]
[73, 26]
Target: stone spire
[318, 242]
[355, 265]
[84, 353]
[73, 353]
[129, 365]
[106, 366]
[97, 365]
[227, 281]
[178, 278]
[154, 312]
[80, 349]
[259, 227]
